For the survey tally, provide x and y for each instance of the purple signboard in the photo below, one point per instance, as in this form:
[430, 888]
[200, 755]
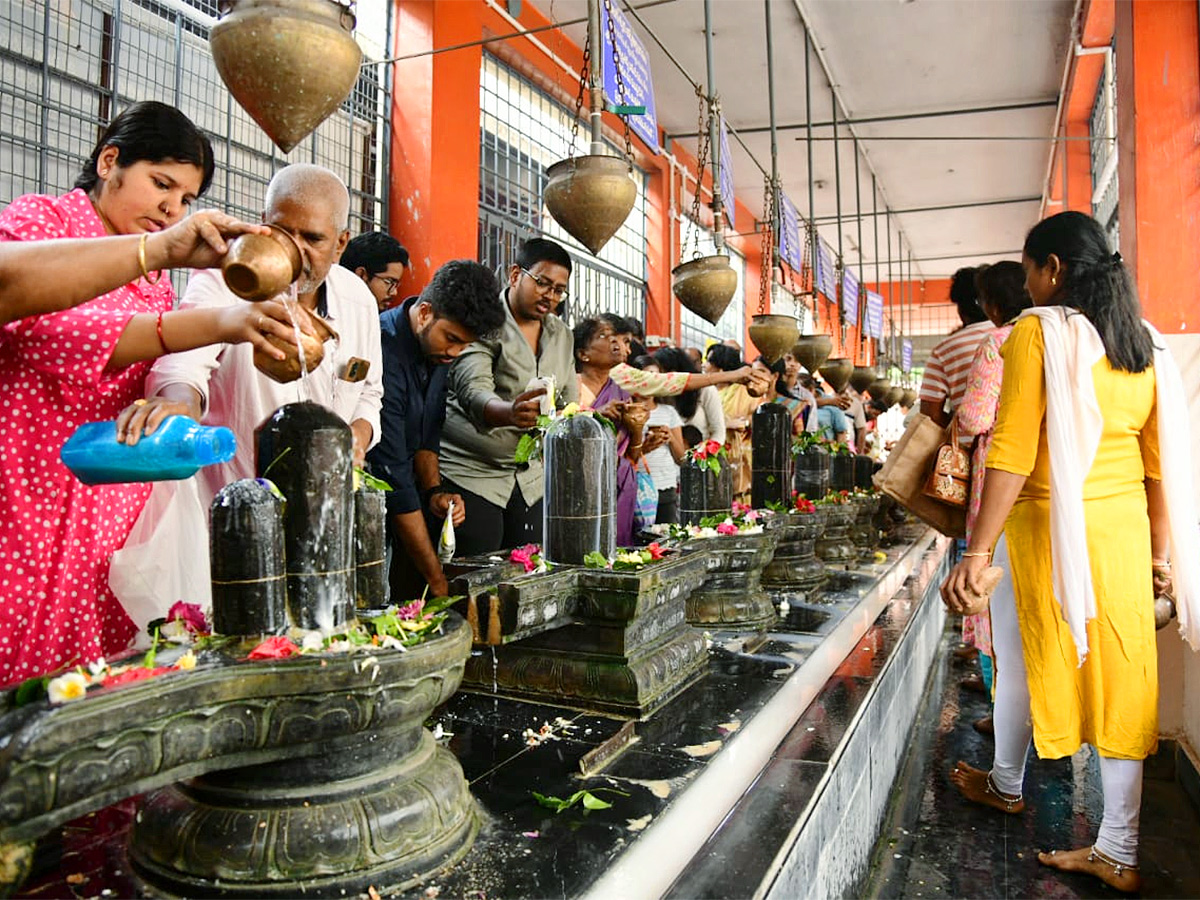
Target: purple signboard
[906, 355]
[873, 322]
[790, 247]
[850, 298]
[730, 202]
[826, 279]
[635, 73]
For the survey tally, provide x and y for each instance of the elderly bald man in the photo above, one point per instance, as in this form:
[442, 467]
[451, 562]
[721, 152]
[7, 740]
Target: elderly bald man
[219, 385]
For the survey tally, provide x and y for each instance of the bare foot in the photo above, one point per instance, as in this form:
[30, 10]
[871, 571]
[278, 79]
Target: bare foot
[1090, 862]
[973, 784]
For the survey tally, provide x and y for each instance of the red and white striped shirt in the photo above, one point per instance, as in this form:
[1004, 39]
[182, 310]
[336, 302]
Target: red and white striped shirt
[950, 362]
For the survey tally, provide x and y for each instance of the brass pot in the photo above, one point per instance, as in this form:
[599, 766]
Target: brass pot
[289, 368]
[590, 197]
[862, 376]
[836, 373]
[289, 63]
[773, 335]
[811, 350]
[878, 389]
[705, 285]
[909, 397]
[260, 266]
[894, 395]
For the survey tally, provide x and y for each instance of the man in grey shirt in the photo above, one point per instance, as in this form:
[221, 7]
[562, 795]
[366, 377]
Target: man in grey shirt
[495, 396]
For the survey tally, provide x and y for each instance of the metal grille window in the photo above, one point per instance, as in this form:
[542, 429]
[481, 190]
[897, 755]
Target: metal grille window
[693, 330]
[523, 132]
[66, 69]
[1103, 132]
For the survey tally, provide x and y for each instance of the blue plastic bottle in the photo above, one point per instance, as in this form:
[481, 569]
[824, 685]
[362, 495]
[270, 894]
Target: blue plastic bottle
[176, 450]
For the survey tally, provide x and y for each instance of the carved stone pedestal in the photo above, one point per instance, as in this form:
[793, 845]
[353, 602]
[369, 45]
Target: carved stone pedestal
[834, 546]
[732, 594]
[864, 532]
[795, 569]
[627, 650]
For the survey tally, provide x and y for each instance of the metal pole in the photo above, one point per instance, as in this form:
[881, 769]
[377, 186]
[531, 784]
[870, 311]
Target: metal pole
[812, 214]
[891, 298]
[837, 189]
[875, 224]
[596, 76]
[714, 133]
[113, 110]
[44, 125]
[858, 314]
[774, 143]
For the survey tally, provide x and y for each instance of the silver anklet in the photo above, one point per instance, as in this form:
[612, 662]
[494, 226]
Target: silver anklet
[1095, 855]
[1009, 802]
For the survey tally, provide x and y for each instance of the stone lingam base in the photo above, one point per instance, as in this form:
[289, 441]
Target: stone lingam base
[795, 572]
[307, 776]
[624, 649]
[503, 603]
[864, 532]
[834, 547]
[732, 595]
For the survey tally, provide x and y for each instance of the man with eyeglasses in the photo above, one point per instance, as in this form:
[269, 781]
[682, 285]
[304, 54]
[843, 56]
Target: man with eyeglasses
[497, 388]
[379, 260]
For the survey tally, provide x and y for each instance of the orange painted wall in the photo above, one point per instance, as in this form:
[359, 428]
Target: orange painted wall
[1158, 100]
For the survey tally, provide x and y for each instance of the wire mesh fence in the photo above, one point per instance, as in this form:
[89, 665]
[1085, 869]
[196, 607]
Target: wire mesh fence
[67, 68]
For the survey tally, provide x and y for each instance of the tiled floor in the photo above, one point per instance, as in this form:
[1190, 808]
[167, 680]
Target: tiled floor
[939, 845]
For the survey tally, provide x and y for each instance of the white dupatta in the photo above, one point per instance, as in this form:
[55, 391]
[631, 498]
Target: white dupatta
[1073, 427]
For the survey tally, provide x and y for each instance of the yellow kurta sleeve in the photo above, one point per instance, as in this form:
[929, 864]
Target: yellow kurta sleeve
[1148, 441]
[1022, 400]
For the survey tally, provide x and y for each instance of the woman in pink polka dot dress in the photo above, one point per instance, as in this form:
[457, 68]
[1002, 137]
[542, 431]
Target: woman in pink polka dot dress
[62, 369]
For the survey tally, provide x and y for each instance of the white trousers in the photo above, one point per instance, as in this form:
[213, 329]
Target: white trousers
[1121, 779]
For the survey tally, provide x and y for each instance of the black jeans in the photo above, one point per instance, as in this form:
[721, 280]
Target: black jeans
[489, 527]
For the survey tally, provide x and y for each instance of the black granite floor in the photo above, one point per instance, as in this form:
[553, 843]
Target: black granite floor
[936, 844]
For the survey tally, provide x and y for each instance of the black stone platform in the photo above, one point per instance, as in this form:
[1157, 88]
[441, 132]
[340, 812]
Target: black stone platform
[776, 714]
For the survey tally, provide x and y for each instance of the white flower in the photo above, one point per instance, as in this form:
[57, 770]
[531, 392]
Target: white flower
[71, 686]
[98, 668]
[312, 642]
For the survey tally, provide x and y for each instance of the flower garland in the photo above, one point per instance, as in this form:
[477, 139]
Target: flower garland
[625, 560]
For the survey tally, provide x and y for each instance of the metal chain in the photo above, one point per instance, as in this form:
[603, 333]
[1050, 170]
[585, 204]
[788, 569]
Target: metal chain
[768, 245]
[808, 275]
[584, 83]
[839, 271]
[622, 96]
[702, 131]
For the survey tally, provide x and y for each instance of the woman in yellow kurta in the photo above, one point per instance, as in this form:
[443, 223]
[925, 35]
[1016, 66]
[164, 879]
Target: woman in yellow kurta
[1080, 372]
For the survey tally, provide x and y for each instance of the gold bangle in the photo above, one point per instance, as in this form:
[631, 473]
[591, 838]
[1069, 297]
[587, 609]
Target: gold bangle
[142, 261]
[978, 553]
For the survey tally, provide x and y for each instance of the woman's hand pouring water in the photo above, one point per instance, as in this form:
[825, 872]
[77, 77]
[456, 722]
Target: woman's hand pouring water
[252, 322]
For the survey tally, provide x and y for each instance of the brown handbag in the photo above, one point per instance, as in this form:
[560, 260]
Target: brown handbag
[949, 481]
[906, 470]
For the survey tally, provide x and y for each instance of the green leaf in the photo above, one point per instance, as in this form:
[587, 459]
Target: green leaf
[152, 653]
[527, 448]
[30, 691]
[591, 801]
[437, 604]
[770, 479]
[370, 480]
[595, 560]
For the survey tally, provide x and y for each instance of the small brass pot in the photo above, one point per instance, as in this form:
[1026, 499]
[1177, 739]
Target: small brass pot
[259, 266]
[289, 368]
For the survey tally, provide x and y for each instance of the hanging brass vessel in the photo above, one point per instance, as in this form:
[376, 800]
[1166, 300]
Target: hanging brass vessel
[289, 63]
[878, 389]
[894, 395]
[836, 373]
[590, 197]
[862, 376]
[909, 397]
[774, 335]
[705, 285]
[811, 350]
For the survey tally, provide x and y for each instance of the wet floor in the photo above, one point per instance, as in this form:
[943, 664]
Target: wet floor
[936, 844]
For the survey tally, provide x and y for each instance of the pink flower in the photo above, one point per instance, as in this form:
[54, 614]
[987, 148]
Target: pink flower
[278, 647]
[190, 616]
[712, 447]
[524, 556]
[138, 673]
[655, 551]
[726, 528]
[410, 611]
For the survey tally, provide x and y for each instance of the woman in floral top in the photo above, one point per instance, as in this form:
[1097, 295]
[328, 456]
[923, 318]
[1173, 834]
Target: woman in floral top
[1002, 295]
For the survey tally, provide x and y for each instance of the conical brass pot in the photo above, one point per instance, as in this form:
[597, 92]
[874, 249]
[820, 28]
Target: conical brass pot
[878, 389]
[290, 367]
[289, 63]
[773, 335]
[862, 376]
[894, 395]
[909, 397]
[590, 197]
[705, 285]
[836, 372]
[811, 350]
[258, 266]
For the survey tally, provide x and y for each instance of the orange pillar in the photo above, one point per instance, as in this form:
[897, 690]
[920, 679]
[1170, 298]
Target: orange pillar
[1158, 104]
[434, 189]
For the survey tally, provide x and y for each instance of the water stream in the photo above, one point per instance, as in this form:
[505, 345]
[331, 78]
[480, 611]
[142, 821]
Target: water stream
[292, 304]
